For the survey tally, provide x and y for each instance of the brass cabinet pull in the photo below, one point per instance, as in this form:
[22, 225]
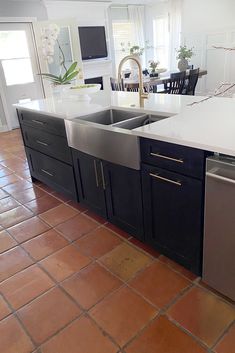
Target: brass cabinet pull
[38, 122]
[46, 172]
[178, 183]
[96, 175]
[41, 143]
[166, 157]
[102, 173]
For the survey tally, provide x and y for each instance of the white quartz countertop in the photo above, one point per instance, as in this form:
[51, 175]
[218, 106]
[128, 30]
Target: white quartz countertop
[209, 125]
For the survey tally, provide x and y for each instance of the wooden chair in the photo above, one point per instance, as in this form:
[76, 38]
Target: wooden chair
[132, 87]
[117, 85]
[191, 82]
[176, 83]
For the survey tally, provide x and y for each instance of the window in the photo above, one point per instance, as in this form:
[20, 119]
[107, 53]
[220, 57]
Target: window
[15, 57]
[161, 40]
[123, 32]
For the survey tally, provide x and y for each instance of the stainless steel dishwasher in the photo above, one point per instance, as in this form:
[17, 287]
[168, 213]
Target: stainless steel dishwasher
[219, 234]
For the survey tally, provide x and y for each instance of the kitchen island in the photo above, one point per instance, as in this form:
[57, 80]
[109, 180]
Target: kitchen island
[148, 180]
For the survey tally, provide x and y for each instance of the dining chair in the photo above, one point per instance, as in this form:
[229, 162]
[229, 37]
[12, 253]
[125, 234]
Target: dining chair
[190, 67]
[191, 82]
[176, 83]
[132, 87]
[117, 85]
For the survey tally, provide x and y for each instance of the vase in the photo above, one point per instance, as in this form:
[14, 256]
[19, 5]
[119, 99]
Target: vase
[61, 91]
[153, 74]
[182, 64]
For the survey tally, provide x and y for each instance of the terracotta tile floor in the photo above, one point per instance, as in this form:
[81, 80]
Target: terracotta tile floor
[72, 282]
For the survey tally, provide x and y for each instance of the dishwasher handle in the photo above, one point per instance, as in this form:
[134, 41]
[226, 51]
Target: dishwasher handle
[220, 178]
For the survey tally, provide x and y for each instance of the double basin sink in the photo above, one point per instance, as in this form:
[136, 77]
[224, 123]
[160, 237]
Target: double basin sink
[108, 135]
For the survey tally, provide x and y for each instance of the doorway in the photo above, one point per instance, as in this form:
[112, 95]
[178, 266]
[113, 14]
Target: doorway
[19, 79]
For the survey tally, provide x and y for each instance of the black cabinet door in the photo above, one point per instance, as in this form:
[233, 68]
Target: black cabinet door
[90, 181]
[173, 215]
[124, 198]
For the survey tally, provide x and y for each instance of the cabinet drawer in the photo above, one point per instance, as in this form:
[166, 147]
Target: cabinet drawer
[52, 172]
[52, 145]
[181, 159]
[43, 122]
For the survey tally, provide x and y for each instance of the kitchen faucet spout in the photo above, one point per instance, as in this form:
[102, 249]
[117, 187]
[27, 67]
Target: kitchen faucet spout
[142, 94]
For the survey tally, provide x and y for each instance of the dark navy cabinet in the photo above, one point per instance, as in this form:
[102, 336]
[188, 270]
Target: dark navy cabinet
[110, 190]
[173, 215]
[90, 181]
[48, 153]
[124, 198]
[173, 197]
[161, 204]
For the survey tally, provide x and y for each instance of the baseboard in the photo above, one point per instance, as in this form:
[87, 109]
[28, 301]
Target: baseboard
[3, 128]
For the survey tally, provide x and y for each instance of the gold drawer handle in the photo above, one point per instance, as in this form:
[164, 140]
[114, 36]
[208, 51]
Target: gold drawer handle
[41, 143]
[96, 174]
[178, 183]
[46, 172]
[165, 157]
[102, 174]
[38, 122]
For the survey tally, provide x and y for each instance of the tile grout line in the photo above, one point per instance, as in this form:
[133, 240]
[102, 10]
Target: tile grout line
[225, 331]
[127, 240]
[15, 313]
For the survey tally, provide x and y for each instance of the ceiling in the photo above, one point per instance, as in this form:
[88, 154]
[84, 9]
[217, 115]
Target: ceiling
[126, 2]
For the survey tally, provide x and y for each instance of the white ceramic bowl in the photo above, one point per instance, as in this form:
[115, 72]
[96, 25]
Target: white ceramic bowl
[82, 91]
[160, 71]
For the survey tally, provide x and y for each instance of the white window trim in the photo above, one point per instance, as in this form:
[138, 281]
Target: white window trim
[2, 89]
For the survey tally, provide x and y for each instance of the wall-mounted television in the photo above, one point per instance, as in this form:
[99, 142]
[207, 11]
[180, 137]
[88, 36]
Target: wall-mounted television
[93, 42]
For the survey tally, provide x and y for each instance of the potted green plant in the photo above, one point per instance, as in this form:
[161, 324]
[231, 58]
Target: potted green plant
[135, 49]
[66, 75]
[184, 54]
[153, 66]
[63, 79]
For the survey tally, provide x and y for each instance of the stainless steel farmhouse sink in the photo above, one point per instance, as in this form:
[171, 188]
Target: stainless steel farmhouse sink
[136, 122]
[110, 116]
[108, 135]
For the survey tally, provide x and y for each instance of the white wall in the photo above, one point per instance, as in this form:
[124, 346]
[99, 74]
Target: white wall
[10, 8]
[206, 23]
[2, 115]
[87, 13]
[207, 15]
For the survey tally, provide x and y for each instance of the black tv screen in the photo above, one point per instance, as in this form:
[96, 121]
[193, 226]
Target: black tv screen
[93, 42]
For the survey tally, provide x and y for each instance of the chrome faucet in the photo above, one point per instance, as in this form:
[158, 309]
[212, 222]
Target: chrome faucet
[142, 94]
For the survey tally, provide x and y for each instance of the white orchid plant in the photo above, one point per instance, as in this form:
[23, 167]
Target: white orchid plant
[49, 39]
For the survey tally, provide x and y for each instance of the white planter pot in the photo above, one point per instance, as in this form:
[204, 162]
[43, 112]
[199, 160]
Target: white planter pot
[182, 64]
[61, 91]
